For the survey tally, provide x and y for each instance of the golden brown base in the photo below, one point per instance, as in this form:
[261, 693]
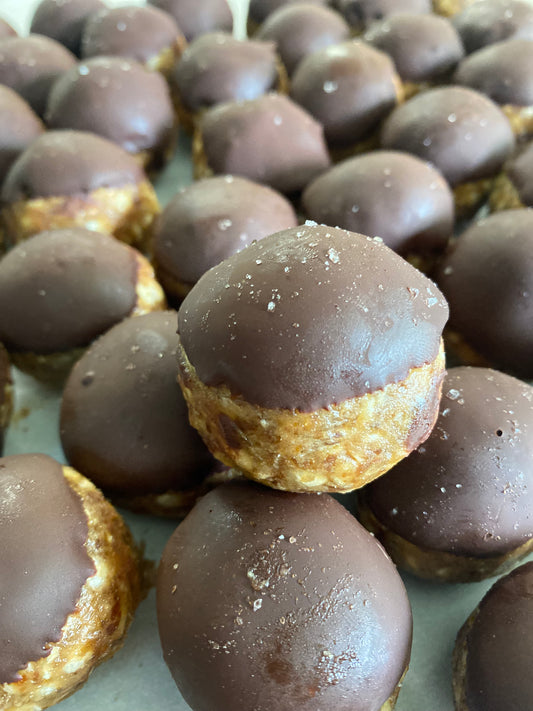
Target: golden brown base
[459, 664]
[166, 59]
[504, 195]
[200, 165]
[468, 197]
[520, 118]
[449, 8]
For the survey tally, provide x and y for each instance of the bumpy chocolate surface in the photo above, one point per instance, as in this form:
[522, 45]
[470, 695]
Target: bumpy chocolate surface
[468, 489]
[43, 561]
[270, 140]
[61, 289]
[269, 601]
[69, 163]
[500, 646]
[19, 126]
[196, 17]
[483, 23]
[124, 422]
[63, 20]
[361, 13]
[218, 67]
[310, 317]
[115, 98]
[349, 88]
[392, 195]
[519, 170]
[463, 133]
[6, 30]
[214, 218]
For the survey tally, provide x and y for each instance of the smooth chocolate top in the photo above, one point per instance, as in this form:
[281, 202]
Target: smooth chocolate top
[349, 88]
[124, 421]
[422, 47]
[468, 489]
[217, 67]
[259, 10]
[270, 601]
[43, 560]
[19, 126]
[271, 140]
[310, 317]
[196, 17]
[62, 288]
[69, 163]
[63, 20]
[139, 33]
[483, 23]
[6, 30]
[395, 196]
[488, 281]
[361, 13]
[463, 133]
[299, 29]
[115, 98]
[212, 219]
[519, 170]
[30, 65]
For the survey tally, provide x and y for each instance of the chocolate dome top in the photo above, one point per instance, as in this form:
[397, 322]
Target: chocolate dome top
[63, 20]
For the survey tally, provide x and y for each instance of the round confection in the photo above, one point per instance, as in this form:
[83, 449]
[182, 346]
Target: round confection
[6, 30]
[393, 195]
[307, 613]
[259, 10]
[270, 140]
[196, 17]
[19, 126]
[209, 221]
[349, 88]
[63, 20]
[487, 21]
[514, 188]
[299, 29]
[361, 13]
[30, 65]
[460, 508]
[492, 657]
[6, 394]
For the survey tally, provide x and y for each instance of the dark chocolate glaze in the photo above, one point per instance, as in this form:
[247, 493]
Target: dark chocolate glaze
[43, 560]
[463, 133]
[30, 65]
[124, 421]
[423, 47]
[500, 646]
[115, 98]
[483, 23]
[395, 196]
[63, 20]
[61, 289]
[361, 13]
[271, 140]
[69, 163]
[488, 281]
[468, 490]
[196, 17]
[214, 218]
[139, 33]
[310, 317]
[19, 126]
[349, 88]
[217, 67]
[519, 170]
[269, 601]
[6, 30]
[299, 29]
[259, 10]
[5, 381]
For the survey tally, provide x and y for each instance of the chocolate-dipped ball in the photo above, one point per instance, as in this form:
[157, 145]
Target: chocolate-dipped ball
[30, 65]
[118, 99]
[395, 196]
[6, 394]
[196, 17]
[63, 20]
[61, 289]
[349, 88]
[6, 30]
[270, 140]
[463, 133]
[514, 187]
[311, 360]
[19, 126]
[460, 508]
[259, 10]
[488, 281]
[209, 221]
[77, 179]
[70, 581]
[361, 13]
[492, 657]
[307, 612]
[487, 21]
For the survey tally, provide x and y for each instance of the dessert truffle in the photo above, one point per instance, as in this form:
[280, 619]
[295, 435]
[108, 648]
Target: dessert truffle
[460, 508]
[487, 21]
[196, 17]
[209, 221]
[307, 612]
[19, 126]
[6, 394]
[63, 20]
[361, 13]
[6, 30]
[73, 178]
[312, 360]
[259, 10]
[270, 140]
[70, 581]
[513, 188]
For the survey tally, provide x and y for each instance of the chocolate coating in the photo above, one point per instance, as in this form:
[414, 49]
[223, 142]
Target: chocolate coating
[62, 288]
[463, 133]
[361, 13]
[214, 218]
[307, 612]
[63, 20]
[6, 30]
[519, 170]
[43, 560]
[270, 140]
[196, 17]
[259, 10]
[19, 126]
[313, 316]
[396, 196]
[5, 382]
[488, 21]
[349, 88]
[69, 163]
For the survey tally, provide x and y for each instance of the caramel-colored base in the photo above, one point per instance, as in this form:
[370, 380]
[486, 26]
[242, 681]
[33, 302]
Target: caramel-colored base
[459, 664]
[520, 118]
[504, 195]
[166, 59]
[469, 196]
[449, 8]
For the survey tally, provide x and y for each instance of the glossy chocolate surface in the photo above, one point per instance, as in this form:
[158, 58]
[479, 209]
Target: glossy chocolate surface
[63, 20]
[489, 21]
[196, 17]
[519, 170]
[19, 126]
[361, 13]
